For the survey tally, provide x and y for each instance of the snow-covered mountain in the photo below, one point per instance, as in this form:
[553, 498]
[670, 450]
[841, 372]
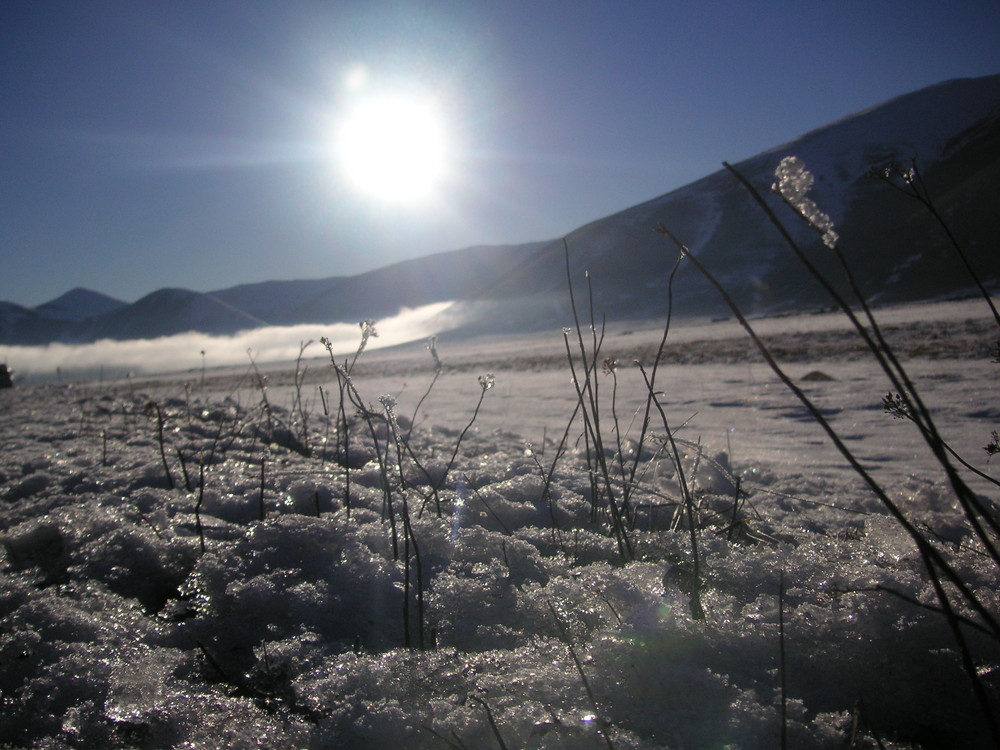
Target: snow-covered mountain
[894, 246]
[896, 250]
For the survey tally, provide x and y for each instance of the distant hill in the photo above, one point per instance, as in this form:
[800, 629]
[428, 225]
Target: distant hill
[78, 305]
[166, 312]
[275, 301]
[894, 246]
[57, 320]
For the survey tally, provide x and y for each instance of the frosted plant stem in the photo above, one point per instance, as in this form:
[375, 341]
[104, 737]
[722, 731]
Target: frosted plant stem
[588, 395]
[432, 348]
[298, 404]
[326, 420]
[590, 432]
[344, 440]
[355, 397]
[184, 471]
[343, 381]
[410, 539]
[485, 384]
[697, 610]
[647, 412]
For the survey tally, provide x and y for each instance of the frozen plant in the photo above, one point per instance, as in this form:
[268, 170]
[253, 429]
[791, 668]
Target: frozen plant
[954, 595]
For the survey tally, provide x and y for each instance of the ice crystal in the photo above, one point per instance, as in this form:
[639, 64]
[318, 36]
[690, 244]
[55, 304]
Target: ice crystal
[887, 172]
[431, 346]
[793, 184]
[389, 404]
[367, 331]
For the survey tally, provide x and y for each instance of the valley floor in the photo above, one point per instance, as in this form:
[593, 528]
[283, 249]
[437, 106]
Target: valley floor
[201, 563]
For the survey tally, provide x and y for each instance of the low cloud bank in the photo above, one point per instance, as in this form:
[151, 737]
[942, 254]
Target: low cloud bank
[107, 358]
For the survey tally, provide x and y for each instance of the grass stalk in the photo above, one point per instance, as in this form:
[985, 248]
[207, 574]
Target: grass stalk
[493, 723]
[602, 724]
[782, 670]
[160, 439]
[263, 469]
[351, 391]
[197, 507]
[184, 471]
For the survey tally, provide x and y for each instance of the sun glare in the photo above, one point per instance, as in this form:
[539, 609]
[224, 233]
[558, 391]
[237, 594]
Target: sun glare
[393, 148]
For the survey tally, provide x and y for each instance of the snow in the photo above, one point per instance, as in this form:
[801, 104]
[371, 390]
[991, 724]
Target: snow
[121, 630]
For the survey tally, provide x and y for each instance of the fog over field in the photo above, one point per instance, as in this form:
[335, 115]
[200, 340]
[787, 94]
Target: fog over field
[199, 559]
[114, 359]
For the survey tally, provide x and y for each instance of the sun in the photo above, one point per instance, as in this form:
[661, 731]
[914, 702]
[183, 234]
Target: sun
[393, 147]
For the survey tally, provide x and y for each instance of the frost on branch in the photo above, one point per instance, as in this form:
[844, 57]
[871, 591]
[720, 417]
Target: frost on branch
[793, 183]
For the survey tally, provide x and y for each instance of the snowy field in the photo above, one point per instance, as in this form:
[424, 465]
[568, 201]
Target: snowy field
[195, 561]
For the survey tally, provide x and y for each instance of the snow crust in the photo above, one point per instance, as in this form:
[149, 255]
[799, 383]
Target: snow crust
[120, 630]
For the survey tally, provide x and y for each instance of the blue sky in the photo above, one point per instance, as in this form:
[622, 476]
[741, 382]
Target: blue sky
[189, 143]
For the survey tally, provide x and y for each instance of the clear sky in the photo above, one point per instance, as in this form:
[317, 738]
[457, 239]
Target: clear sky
[201, 143]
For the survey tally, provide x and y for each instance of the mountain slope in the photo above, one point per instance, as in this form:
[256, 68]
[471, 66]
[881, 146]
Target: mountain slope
[275, 301]
[894, 245]
[455, 275]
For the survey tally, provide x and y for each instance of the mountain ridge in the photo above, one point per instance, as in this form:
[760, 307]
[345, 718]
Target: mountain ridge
[952, 128]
